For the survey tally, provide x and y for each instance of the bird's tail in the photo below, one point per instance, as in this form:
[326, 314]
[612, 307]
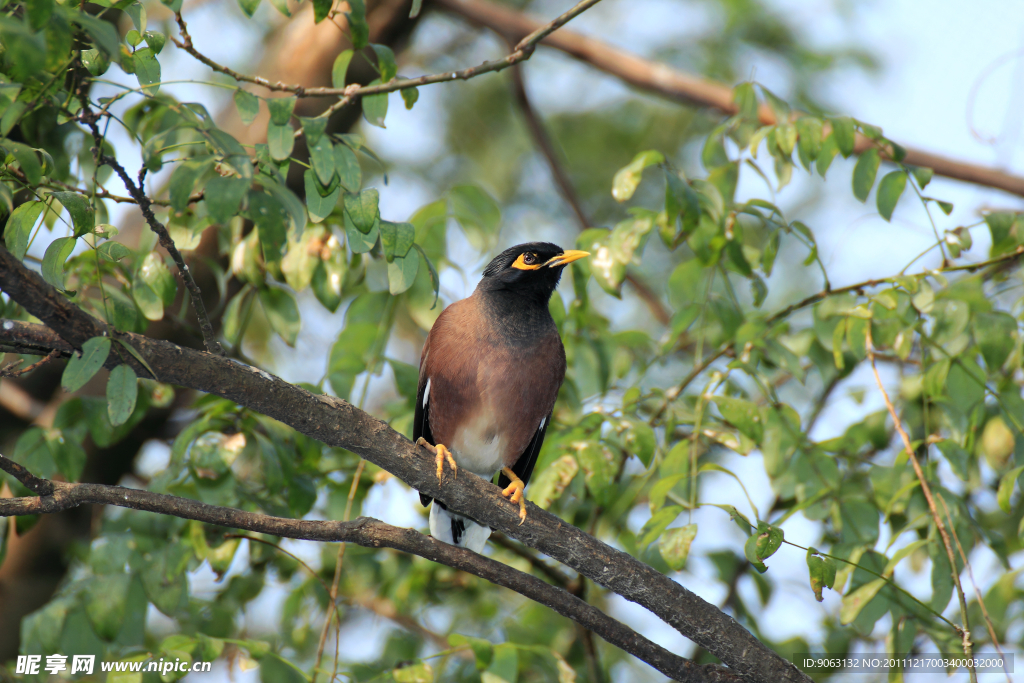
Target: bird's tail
[457, 530]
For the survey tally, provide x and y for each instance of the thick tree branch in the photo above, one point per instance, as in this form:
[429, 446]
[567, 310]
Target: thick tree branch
[338, 423]
[364, 531]
[663, 80]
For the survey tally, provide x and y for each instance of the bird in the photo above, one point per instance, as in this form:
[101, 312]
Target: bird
[489, 375]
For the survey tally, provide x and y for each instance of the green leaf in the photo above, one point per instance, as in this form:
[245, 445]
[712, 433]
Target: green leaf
[410, 95]
[996, 334]
[223, 197]
[184, 179]
[81, 367]
[1006, 484]
[56, 256]
[280, 140]
[743, 415]
[347, 166]
[627, 178]
[319, 207]
[845, 135]
[551, 482]
[249, 6]
[922, 175]
[103, 33]
[359, 30]
[657, 524]
[854, 602]
[864, 173]
[889, 191]
[282, 7]
[675, 545]
[113, 251]
[122, 391]
[809, 129]
[38, 13]
[106, 597]
[281, 109]
[322, 158]
[375, 107]
[435, 281]
[639, 440]
[248, 105]
[750, 552]
[282, 312]
[27, 160]
[339, 71]
[956, 456]
[483, 650]
[363, 210]
[477, 213]
[386, 65]
[826, 155]
[321, 8]
[358, 242]
[147, 69]
[822, 572]
[19, 226]
[155, 40]
[155, 273]
[397, 239]
[402, 273]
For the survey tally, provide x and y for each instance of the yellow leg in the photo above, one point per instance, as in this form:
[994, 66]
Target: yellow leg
[514, 492]
[441, 453]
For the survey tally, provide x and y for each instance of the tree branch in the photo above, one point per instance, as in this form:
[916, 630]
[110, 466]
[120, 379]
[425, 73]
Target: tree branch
[364, 531]
[568, 191]
[145, 205]
[338, 423]
[523, 49]
[663, 80]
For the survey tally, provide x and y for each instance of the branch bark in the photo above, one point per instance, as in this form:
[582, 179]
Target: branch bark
[663, 80]
[368, 532]
[338, 423]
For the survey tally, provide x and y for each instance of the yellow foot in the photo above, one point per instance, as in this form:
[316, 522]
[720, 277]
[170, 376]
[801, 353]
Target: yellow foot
[441, 453]
[514, 492]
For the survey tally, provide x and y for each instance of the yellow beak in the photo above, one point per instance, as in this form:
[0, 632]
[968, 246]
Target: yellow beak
[566, 258]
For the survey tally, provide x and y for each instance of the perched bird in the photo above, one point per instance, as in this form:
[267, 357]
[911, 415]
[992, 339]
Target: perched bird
[489, 375]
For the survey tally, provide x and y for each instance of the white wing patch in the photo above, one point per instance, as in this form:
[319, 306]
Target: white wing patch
[542, 423]
[426, 394]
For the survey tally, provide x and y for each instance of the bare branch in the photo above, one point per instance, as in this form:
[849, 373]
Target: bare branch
[9, 371]
[965, 630]
[661, 79]
[338, 423]
[522, 52]
[145, 205]
[367, 532]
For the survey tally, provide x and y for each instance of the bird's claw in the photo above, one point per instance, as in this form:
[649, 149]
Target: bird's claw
[514, 493]
[441, 453]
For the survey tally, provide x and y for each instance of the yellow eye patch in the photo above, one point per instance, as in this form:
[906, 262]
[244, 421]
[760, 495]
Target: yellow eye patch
[527, 261]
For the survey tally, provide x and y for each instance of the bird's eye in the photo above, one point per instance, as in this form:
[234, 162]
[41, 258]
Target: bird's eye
[529, 259]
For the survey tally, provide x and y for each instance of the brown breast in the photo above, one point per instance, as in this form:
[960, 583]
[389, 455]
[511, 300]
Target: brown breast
[488, 396]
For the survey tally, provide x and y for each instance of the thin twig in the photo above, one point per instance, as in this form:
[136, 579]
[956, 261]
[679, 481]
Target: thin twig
[333, 593]
[977, 591]
[1000, 262]
[145, 205]
[9, 371]
[965, 631]
[522, 52]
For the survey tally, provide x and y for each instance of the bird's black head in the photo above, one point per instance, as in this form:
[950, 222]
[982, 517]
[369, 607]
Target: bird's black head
[532, 269]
